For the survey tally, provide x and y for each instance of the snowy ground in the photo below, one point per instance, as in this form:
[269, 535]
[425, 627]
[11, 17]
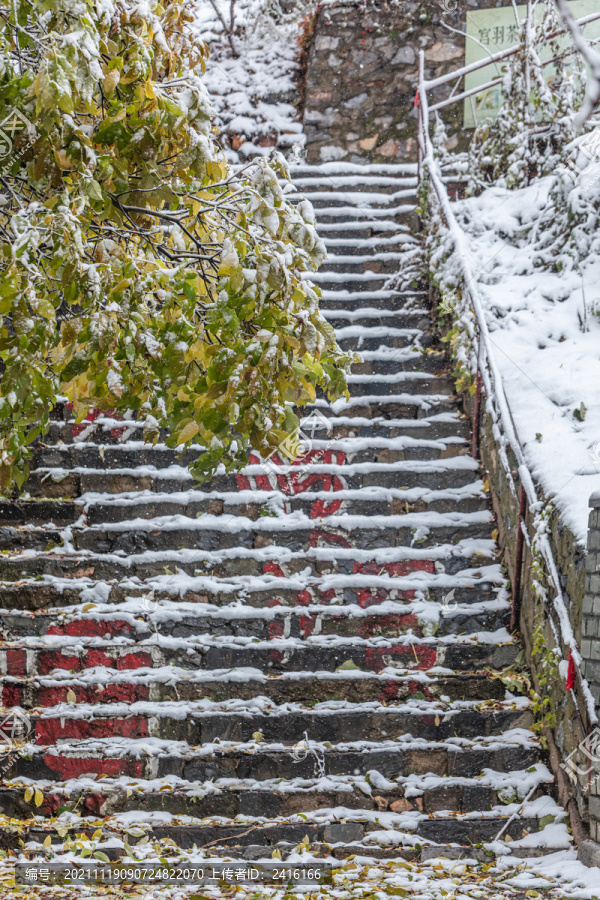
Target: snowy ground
[545, 326]
[558, 876]
[246, 90]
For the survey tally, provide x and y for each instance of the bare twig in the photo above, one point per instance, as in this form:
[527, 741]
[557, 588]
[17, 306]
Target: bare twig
[227, 29]
[592, 92]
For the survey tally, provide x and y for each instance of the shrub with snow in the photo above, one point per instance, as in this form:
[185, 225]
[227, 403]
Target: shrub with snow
[139, 272]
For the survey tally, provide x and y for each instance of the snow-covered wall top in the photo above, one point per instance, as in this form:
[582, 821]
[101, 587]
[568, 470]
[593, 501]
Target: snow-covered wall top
[362, 76]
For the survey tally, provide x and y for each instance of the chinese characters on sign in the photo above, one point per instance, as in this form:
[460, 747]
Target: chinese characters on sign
[498, 36]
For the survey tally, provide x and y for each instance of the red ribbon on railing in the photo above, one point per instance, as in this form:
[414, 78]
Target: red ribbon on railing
[417, 98]
[571, 672]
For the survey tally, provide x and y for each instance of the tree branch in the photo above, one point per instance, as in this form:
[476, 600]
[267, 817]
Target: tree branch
[592, 92]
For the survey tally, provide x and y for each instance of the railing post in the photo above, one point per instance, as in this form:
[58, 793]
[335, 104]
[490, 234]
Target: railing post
[419, 131]
[516, 590]
[476, 410]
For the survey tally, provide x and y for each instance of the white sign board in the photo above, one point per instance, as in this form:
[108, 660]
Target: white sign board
[491, 30]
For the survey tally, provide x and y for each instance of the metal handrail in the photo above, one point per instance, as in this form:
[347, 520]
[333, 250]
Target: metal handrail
[489, 378]
[496, 57]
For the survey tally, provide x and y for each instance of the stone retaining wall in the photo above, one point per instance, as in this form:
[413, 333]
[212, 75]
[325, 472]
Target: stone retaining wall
[590, 651]
[569, 728]
[362, 77]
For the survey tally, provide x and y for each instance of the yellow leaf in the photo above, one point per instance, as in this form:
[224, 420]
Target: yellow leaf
[149, 90]
[196, 352]
[88, 606]
[39, 797]
[257, 736]
[71, 696]
[215, 170]
[28, 794]
[131, 75]
[495, 534]
[118, 117]
[187, 433]
[276, 854]
[437, 720]
[63, 160]
[47, 843]
[120, 286]
[111, 81]
[45, 308]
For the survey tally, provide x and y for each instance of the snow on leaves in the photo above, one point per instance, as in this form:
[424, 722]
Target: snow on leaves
[139, 272]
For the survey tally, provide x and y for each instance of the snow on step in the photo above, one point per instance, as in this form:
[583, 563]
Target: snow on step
[312, 649]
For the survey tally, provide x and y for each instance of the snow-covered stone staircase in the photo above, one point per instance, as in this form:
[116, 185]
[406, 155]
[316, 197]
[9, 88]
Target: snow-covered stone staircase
[305, 651]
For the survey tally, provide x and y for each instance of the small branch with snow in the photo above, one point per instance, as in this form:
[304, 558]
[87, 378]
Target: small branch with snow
[592, 94]
[227, 29]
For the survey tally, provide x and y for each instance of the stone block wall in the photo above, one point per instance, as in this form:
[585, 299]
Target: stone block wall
[586, 760]
[569, 731]
[362, 77]
[590, 644]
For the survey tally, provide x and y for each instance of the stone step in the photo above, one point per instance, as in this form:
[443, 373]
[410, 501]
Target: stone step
[369, 220]
[350, 282]
[256, 504]
[415, 384]
[39, 512]
[350, 245]
[357, 338]
[208, 799]
[395, 299]
[393, 759]
[95, 685]
[362, 200]
[378, 361]
[346, 173]
[201, 722]
[100, 450]
[434, 474]
[52, 462]
[43, 655]
[298, 532]
[373, 583]
[364, 230]
[399, 405]
[178, 619]
[367, 280]
[367, 317]
[338, 838]
[330, 554]
[383, 262]
[382, 363]
[353, 300]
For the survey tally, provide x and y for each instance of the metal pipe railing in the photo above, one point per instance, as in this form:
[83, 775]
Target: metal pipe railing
[489, 379]
[496, 57]
[479, 89]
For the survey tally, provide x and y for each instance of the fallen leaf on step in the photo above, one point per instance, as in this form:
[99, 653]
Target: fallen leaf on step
[347, 666]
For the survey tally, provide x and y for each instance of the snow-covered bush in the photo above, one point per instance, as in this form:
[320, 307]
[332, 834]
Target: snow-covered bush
[535, 120]
[138, 272]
